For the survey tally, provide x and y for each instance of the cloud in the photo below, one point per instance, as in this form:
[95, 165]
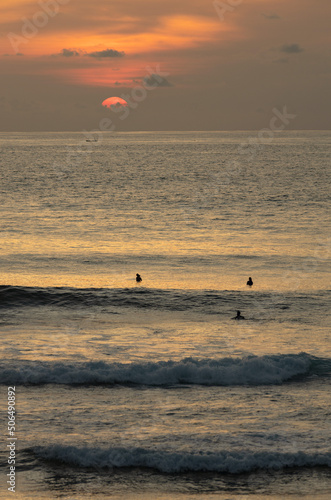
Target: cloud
[9, 55]
[293, 48]
[102, 53]
[271, 16]
[106, 53]
[69, 53]
[156, 81]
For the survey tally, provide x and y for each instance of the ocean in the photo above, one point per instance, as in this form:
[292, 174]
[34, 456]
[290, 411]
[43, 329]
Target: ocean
[152, 390]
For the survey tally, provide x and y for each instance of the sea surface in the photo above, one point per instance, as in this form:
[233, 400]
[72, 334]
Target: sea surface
[152, 390]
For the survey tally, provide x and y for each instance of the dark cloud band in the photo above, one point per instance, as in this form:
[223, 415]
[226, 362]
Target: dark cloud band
[293, 48]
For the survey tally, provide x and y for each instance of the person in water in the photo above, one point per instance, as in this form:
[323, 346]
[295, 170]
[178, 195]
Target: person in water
[138, 278]
[239, 316]
[249, 282]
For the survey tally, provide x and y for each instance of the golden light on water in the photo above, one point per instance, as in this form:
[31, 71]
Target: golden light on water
[102, 261]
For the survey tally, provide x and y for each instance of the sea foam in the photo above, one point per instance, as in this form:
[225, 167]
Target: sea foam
[250, 370]
[173, 462]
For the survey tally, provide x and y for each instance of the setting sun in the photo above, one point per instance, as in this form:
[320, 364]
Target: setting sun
[165, 250]
[114, 103]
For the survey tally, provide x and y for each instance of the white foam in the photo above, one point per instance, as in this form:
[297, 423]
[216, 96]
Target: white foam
[251, 370]
[224, 461]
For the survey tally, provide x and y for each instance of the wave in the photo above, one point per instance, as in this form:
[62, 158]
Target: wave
[138, 297]
[206, 301]
[19, 296]
[234, 462]
[250, 370]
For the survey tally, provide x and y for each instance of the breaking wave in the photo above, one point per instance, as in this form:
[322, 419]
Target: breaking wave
[250, 370]
[234, 462]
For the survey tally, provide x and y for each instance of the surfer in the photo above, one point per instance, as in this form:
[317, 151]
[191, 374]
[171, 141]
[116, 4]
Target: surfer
[239, 316]
[249, 282]
[138, 278]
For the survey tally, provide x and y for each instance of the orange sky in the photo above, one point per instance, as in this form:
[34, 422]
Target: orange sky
[260, 53]
[109, 26]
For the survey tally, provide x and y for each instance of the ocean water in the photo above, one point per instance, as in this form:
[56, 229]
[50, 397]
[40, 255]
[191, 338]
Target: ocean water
[151, 390]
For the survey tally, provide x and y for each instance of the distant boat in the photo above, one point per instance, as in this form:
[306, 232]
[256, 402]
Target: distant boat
[91, 140]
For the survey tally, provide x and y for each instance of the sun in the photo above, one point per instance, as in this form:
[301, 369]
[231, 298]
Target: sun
[114, 103]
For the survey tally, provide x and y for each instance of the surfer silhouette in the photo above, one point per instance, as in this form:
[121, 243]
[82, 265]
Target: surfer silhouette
[138, 278]
[249, 282]
[239, 316]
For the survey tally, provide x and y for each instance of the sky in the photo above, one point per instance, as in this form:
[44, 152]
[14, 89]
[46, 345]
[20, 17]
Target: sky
[180, 65]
